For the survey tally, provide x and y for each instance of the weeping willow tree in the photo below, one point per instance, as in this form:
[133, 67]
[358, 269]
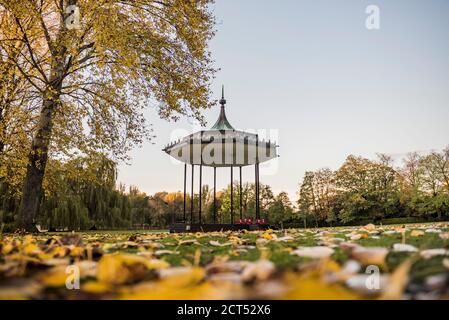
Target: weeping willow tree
[81, 194]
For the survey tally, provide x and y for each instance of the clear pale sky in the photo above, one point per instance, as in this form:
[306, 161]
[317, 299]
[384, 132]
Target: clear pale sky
[331, 87]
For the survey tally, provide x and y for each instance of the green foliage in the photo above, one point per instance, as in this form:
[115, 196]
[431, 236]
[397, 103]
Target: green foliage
[366, 190]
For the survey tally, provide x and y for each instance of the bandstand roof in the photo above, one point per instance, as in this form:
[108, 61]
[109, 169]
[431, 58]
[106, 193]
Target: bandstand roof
[222, 146]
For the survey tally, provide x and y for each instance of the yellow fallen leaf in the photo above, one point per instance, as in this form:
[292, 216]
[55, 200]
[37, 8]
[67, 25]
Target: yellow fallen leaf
[268, 235]
[55, 277]
[22, 258]
[7, 248]
[189, 285]
[417, 233]
[77, 252]
[312, 286]
[96, 287]
[58, 252]
[126, 268]
[30, 248]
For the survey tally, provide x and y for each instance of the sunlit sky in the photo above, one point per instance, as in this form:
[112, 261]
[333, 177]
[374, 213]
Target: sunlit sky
[312, 72]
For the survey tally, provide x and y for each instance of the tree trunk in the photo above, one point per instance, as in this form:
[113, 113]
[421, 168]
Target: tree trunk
[2, 134]
[32, 186]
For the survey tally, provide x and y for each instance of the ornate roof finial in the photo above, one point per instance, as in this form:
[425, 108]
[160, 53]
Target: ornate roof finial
[222, 123]
[223, 100]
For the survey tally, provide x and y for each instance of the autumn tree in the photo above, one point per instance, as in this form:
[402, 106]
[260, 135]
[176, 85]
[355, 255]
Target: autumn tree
[18, 103]
[281, 209]
[96, 72]
[316, 193]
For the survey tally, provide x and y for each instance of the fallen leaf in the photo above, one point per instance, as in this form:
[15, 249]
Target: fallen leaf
[430, 253]
[417, 233]
[369, 227]
[218, 244]
[314, 252]
[363, 284]
[370, 256]
[400, 247]
[398, 281]
[260, 270]
[125, 268]
[444, 235]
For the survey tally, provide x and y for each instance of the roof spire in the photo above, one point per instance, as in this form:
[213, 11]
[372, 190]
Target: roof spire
[223, 100]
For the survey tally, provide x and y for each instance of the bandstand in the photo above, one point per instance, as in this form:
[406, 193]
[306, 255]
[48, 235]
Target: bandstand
[221, 147]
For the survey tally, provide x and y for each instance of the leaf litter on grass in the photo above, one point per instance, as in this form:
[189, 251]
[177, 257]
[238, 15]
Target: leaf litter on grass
[369, 262]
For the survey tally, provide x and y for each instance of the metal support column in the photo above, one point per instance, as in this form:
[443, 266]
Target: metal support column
[258, 191]
[232, 195]
[192, 195]
[185, 191]
[240, 193]
[215, 195]
[257, 178]
[201, 193]
[200, 200]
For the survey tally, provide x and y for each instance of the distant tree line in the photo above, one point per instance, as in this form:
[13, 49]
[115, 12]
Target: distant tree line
[365, 190]
[83, 193]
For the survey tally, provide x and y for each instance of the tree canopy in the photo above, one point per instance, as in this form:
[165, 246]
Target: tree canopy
[82, 73]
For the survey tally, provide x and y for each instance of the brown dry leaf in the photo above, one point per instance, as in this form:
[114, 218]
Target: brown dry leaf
[370, 256]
